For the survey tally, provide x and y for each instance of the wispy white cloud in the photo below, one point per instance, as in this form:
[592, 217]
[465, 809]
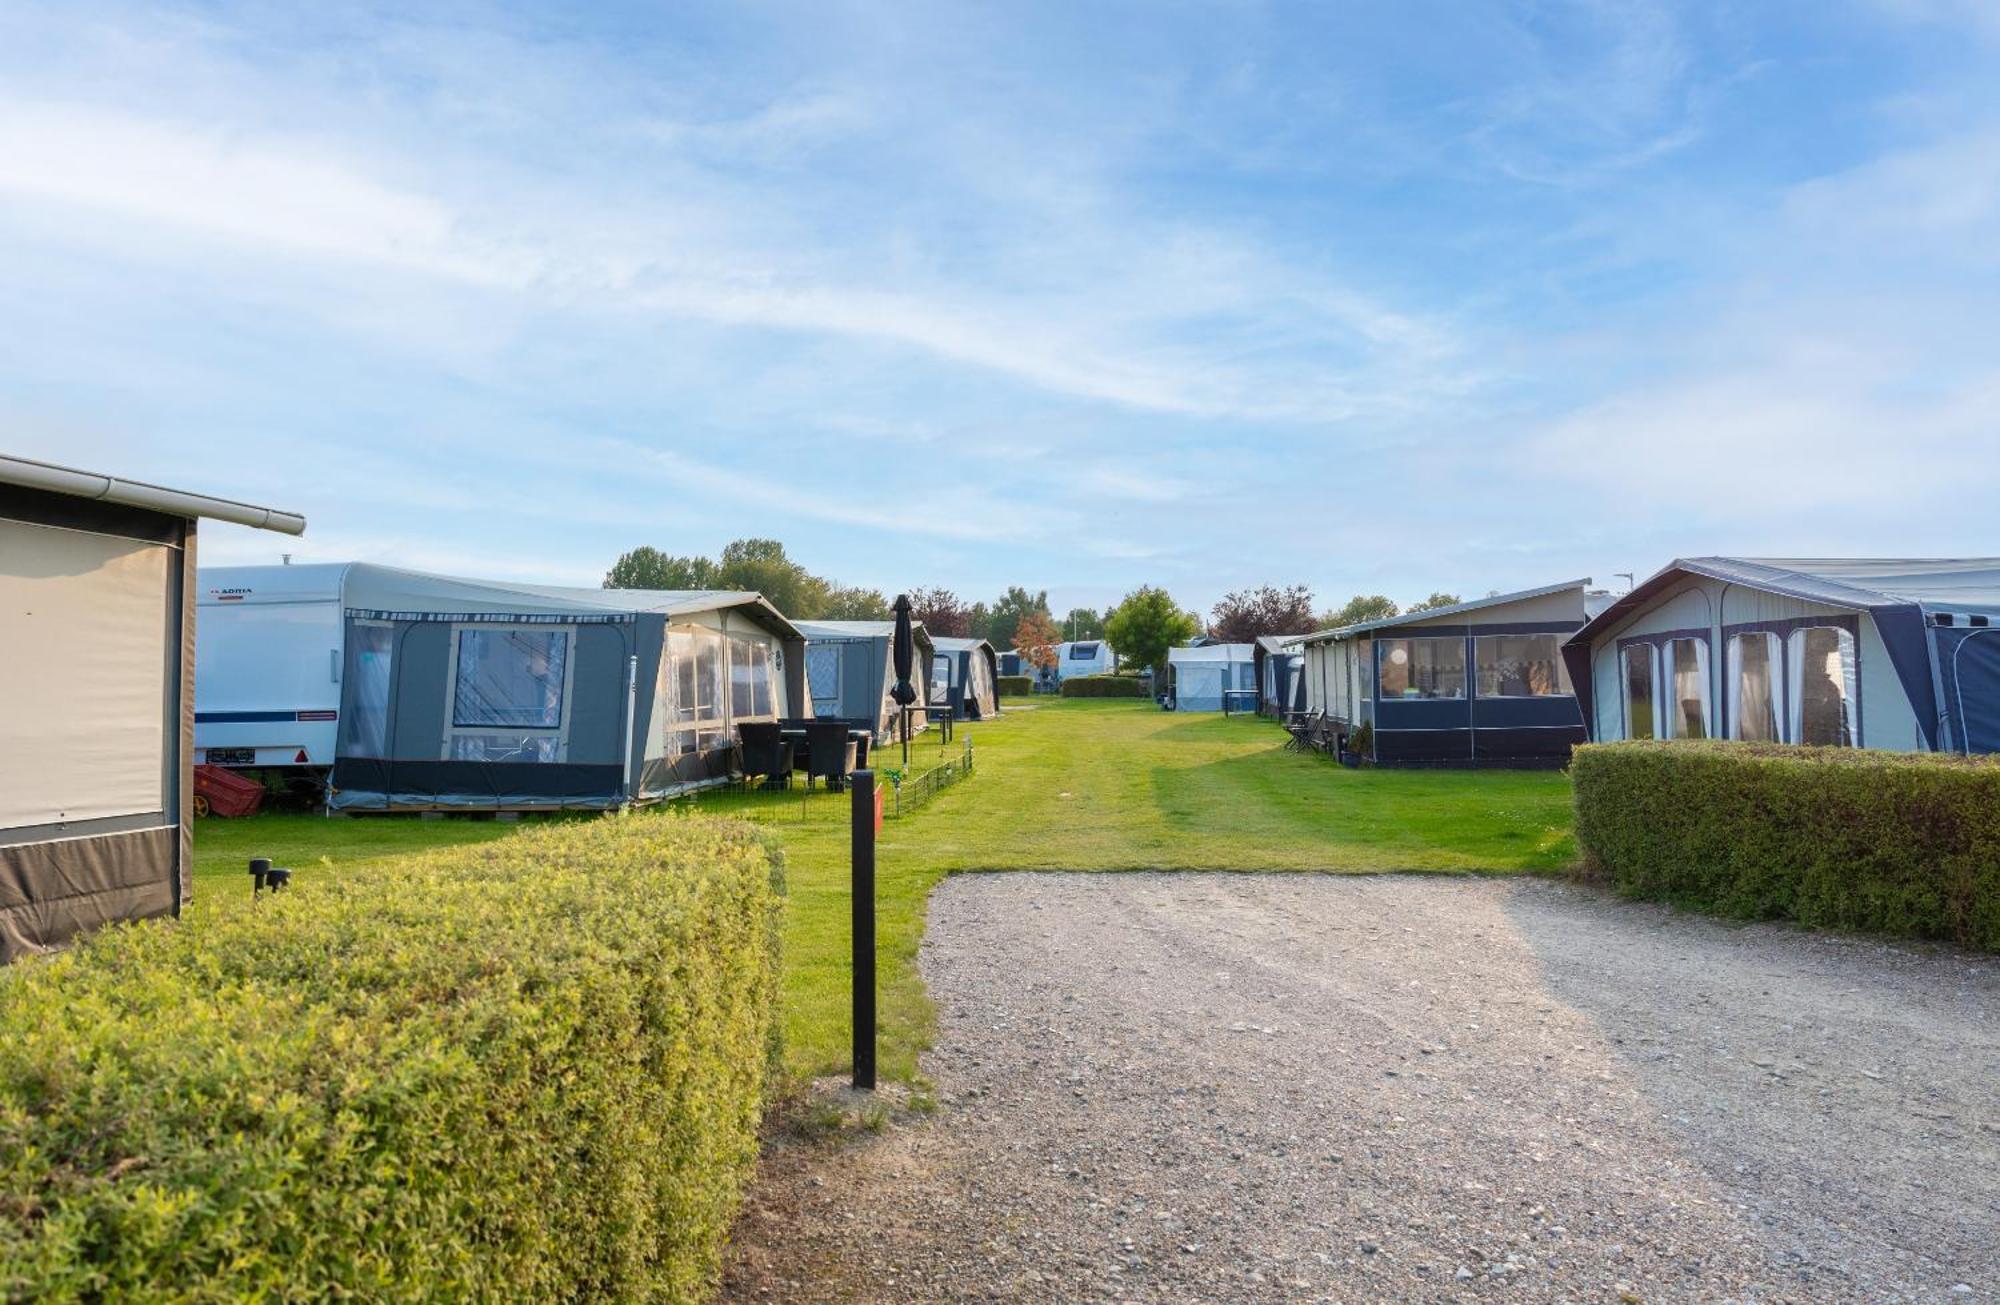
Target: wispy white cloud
[1027, 296]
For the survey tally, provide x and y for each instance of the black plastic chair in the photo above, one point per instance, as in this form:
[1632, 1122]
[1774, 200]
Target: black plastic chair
[829, 752]
[766, 752]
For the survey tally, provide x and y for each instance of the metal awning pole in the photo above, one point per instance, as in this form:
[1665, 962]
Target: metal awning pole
[631, 708]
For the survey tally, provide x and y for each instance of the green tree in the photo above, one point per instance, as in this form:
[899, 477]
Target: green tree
[1436, 600]
[852, 603]
[1004, 617]
[761, 565]
[1361, 607]
[1146, 624]
[1083, 623]
[649, 568]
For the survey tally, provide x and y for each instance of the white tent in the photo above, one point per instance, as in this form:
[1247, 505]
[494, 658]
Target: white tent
[1197, 678]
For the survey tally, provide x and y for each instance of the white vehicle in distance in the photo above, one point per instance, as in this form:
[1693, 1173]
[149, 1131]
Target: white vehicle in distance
[267, 671]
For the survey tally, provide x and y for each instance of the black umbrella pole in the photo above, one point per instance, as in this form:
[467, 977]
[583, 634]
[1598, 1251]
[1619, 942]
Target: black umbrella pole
[863, 788]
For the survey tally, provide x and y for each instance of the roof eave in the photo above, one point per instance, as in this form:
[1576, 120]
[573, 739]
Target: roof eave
[135, 493]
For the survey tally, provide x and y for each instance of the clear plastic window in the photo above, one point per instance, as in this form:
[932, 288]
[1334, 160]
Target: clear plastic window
[750, 694]
[1422, 668]
[1687, 688]
[364, 724]
[1821, 663]
[1637, 662]
[1753, 687]
[499, 746]
[1520, 666]
[510, 677]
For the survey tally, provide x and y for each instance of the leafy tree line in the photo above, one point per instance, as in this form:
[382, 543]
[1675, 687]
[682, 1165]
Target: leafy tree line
[762, 565]
[753, 564]
[1001, 622]
[1140, 628]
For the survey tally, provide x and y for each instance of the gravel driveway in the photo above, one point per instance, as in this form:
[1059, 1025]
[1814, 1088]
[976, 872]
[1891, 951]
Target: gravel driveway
[1319, 1088]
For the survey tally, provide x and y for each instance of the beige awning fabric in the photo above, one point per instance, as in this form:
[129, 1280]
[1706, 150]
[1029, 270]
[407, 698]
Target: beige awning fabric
[84, 658]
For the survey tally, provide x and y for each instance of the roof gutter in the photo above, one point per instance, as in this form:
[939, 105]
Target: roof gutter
[133, 493]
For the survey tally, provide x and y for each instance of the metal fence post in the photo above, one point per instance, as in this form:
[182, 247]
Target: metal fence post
[863, 912]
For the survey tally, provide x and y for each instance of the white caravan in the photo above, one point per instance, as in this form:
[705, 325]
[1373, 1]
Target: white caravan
[268, 645]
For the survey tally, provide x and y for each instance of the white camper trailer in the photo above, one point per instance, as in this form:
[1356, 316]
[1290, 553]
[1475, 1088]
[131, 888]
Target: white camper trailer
[268, 657]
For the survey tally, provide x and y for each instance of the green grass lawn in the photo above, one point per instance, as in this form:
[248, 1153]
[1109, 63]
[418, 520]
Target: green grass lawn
[1066, 785]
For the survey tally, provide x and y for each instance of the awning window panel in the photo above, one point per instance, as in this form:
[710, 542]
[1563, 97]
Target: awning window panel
[364, 722]
[1687, 688]
[1637, 665]
[750, 696]
[1520, 666]
[1754, 687]
[519, 747]
[823, 676]
[695, 694]
[1422, 667]
[1821, 666]
[510, 677]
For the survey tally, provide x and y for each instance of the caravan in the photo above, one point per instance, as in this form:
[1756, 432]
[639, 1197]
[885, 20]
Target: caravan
[456, 694]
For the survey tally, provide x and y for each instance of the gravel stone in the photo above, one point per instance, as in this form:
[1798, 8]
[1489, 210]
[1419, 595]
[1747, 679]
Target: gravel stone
[1177, 1088]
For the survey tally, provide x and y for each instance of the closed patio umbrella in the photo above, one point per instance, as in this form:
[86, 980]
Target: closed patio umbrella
[903, 651]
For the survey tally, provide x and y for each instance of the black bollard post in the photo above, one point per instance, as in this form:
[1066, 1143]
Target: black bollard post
[863, 892]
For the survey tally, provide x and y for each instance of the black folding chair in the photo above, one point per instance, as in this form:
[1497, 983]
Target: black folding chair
[766, 752]
[829, 752]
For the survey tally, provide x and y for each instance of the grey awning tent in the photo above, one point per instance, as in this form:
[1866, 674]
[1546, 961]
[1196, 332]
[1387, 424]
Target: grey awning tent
[1927, 667]
[1280, 665]
[1475, 683]
[97, 589]
[851, 674]
[494, 695]
[964, 674]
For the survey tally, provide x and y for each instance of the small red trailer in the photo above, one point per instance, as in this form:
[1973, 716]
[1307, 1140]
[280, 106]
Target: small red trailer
[219, 791]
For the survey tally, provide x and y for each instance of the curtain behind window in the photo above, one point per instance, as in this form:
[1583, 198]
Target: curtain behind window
[1520, 666]
[1753, 688]
[1687, 675]
[1423, 668]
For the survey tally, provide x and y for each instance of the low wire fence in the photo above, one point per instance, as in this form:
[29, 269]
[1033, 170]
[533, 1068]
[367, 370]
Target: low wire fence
[910, 791]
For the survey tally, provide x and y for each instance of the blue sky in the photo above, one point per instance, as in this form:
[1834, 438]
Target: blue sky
[1395, 297]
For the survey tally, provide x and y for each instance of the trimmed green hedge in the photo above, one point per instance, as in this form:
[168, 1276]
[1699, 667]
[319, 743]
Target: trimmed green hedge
[1103, 686]
[1900, 843]
[1015, 686]
[531, 1069]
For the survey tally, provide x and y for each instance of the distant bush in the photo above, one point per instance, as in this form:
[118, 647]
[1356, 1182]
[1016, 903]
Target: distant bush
[1103, 686]
[531, 1069]
[1900, 843]
[1015, 686]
